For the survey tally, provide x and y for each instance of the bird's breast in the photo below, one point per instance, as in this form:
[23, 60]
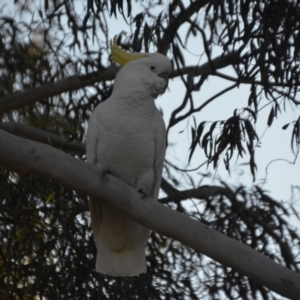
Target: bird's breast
[127, 144]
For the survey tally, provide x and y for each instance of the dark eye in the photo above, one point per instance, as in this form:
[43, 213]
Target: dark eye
[152, 68]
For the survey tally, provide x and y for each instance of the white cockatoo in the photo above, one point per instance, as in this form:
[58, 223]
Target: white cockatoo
[127, 137]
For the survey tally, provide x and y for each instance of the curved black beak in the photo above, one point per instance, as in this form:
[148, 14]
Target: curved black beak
[164, 76]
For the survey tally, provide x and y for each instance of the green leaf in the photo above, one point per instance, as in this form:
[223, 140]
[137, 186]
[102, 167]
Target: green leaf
[49, 197]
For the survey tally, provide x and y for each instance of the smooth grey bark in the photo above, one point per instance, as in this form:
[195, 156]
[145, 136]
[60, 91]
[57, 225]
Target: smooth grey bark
[24, 156]
[42, 136]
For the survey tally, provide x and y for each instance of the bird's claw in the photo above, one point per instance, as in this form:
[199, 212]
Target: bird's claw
[105, 172]
[144, 193]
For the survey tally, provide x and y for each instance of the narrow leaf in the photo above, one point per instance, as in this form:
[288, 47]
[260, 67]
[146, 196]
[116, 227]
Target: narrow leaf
[286, 126]
[271, 117]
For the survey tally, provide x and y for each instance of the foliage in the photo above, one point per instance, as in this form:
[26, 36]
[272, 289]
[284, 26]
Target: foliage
[47, 247]
[48, 250]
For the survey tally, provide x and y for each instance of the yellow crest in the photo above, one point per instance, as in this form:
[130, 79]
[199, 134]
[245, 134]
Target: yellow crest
[122, 57]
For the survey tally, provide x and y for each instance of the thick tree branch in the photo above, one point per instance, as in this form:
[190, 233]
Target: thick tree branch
[42, 136]
[61, 143]
[55, 88]
[25, 156]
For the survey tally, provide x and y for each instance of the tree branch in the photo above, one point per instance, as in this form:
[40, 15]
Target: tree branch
[77, 82]
[55, 88]
[174, 120]
[252, 81]
[219, 62]
[42, 136]
[175, 23]
[24, 156]
[203, 192]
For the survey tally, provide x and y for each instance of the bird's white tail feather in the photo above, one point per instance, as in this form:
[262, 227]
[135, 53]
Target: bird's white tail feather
[120, 242]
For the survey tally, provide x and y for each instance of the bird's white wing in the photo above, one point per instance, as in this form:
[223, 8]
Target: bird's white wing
[160, 150]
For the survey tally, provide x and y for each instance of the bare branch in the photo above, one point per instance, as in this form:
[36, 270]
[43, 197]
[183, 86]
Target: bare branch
[25, 156]
[217, 63]
[55, 88]
[42, 136]
[287, 95]
[173, 120]
[252, 81]
[203, 192]
[176, 22]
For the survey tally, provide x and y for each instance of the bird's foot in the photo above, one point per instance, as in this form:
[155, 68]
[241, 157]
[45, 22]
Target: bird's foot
[105, 172]
[143, 192]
